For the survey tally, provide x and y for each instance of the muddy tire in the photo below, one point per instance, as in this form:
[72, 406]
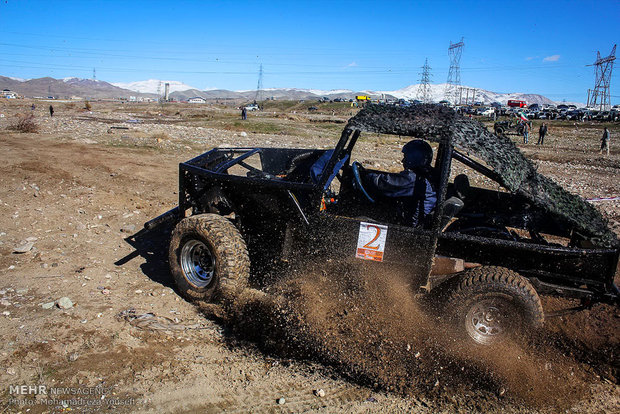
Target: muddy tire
[493, 304]
[208, 259]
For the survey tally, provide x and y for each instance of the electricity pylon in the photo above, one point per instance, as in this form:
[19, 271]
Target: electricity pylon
[600, 94]
[454, 74]
[424, 90]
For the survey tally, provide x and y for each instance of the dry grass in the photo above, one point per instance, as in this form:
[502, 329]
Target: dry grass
[24, 123]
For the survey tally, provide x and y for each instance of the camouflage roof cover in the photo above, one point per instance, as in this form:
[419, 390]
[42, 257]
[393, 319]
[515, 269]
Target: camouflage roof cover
[518, 174]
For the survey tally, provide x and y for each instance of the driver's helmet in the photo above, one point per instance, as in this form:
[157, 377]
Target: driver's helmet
[417, 154]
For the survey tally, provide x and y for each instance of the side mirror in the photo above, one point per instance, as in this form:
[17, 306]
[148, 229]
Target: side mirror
[451, 208]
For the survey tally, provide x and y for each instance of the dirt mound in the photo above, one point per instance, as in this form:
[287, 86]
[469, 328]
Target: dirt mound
[370, 327]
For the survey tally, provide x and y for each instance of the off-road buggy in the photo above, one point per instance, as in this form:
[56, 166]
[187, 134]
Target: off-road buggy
[493, 248]
[508, 127]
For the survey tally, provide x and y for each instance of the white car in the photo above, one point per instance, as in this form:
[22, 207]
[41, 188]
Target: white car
[252, 107]
[488, 112]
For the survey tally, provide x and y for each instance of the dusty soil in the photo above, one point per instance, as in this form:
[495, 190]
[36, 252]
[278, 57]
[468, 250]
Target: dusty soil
[87, 180]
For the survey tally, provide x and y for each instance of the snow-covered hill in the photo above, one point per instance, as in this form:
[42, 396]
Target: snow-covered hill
[152, 85]
[481, 95]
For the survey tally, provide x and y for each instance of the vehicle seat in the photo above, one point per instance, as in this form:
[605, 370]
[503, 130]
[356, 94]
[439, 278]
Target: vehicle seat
[298, 168]
[318, 168]
[461, 186]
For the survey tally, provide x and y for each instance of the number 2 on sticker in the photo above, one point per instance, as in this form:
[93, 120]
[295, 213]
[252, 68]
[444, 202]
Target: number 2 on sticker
[377, 234]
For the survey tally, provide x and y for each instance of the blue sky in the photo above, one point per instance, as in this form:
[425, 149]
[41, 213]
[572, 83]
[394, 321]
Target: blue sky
[510, 46]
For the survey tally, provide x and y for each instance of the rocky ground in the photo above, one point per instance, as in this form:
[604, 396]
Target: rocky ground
[78, 312]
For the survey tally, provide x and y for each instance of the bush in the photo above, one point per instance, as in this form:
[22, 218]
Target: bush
[25, 123]
[87, 106]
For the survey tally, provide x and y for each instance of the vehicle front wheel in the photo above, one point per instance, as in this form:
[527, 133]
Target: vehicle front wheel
[208, 258]
[492, 304]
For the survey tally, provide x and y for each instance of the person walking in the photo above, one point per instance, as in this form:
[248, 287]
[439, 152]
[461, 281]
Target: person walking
[244, 113]
[51, 110]
[542, 131]
[605, 141]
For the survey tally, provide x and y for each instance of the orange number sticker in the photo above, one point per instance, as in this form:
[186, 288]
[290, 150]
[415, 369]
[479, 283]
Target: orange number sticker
[371, 241]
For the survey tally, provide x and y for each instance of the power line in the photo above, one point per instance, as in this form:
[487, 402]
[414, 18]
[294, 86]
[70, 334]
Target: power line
[95, 53]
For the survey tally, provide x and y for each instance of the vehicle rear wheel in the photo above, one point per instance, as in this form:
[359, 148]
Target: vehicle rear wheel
[492, 304]
[208, 258]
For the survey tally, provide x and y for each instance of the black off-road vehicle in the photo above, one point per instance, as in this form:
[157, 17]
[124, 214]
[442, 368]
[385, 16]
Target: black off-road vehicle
[508, 127]
[493, 250]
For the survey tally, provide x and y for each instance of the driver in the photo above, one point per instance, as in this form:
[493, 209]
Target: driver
[411, 188]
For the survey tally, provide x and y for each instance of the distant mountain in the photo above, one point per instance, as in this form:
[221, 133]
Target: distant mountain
[96, 89]
[65, 88]
[210, 94]
[153, 85]
[481, 95]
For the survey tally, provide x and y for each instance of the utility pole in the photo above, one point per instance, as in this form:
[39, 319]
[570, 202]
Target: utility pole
[454, 74]
[424, 90]
[260, 84]
[467, 97]
[600, 95]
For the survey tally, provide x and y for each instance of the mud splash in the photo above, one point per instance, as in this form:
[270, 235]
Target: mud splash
[371, 328]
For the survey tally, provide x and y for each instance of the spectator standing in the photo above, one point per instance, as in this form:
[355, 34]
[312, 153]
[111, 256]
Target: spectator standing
[542, 131]
[32, 107]
[244, 113]
[51, 110]
[605, 141]
[526, 132]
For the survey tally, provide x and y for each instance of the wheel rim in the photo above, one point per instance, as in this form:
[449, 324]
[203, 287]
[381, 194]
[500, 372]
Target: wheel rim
[487, 321]
[198, 263]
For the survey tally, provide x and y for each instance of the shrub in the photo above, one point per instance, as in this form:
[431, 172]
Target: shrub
[87, 106]
[24, 123]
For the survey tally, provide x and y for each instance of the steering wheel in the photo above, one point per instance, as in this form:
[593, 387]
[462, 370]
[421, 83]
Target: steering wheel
[357, 180]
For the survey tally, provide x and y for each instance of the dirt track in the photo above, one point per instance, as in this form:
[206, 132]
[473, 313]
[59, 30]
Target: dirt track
[78, 187]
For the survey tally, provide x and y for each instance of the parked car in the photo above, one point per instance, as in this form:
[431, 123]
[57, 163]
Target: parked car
[562, 112]
[488, 112]
[574, 115]
[252, 107]
[546, 114]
